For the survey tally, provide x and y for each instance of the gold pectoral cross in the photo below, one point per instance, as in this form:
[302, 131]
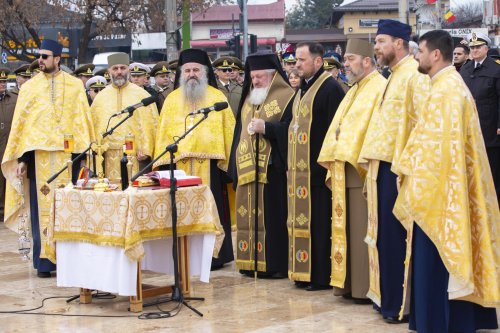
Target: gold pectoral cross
[100, 148]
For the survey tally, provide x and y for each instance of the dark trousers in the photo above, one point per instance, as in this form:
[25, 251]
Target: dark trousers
[494, 159]
[42, 265]
[391, 243]
[430, 309]
[321, 233]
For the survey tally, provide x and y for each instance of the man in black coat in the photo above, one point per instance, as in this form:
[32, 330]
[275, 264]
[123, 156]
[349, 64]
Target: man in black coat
[482, 76]
[309, 199]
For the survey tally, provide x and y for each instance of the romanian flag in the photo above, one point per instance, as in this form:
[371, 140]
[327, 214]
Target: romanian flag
[450, 17]
[431, 2]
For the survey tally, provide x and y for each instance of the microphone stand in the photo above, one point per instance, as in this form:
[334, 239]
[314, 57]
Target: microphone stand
[108, 133]
[172, 149]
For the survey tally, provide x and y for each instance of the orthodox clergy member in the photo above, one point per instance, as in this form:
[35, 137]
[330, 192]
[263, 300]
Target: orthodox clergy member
[386, 137]
[339, 154]
[7, 105]
[230, 88]
[447, 203]
[142, 125]
[205, 152]
[50, 105]
[309, 199]
[265, 110]
[482, 76]
[163, 86]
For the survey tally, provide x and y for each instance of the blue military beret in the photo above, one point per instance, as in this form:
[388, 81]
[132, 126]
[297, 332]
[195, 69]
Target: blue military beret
[394, 28]
[51, 45]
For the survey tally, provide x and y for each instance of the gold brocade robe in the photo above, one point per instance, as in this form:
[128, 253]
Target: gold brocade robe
[211, 140]
[448, 191]
[391, 123]
[342, 145]
[48, 107]
[142, 124]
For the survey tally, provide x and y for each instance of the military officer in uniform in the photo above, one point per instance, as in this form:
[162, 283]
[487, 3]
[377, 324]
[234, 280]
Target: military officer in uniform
[94, 85]
[172, 65]
[104, 73]
[333, 66]
[232, 91]
[289, 61]
[163, 85]
[23, 74]
[7, 105]
[237, 67]
[84, 72]
[482, 76]
[34, 68]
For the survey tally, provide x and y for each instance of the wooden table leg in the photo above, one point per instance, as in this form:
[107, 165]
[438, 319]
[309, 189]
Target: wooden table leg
[184, 276]
[85, 296]
[136, 301]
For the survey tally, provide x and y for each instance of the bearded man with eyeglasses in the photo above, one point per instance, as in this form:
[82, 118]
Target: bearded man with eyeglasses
[50, 106]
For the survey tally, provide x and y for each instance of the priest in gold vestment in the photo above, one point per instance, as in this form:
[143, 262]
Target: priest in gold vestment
[386, 137]
[205, 151]
[51, 105]
[142, 125]
[339, 155]
[448, 205]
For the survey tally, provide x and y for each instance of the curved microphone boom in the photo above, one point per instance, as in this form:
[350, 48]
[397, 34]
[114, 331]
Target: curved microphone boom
[144, 102]
[216, 107]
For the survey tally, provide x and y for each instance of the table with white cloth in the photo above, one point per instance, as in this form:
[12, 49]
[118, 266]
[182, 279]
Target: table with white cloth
[102, 240]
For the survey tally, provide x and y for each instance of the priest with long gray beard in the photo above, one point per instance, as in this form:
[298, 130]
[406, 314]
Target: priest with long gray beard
[265, 110]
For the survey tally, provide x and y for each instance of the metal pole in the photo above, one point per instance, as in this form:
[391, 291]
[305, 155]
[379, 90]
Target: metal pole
[186, 25]
[403, 10]
[439, 14]
[244, 12]
[170, 29]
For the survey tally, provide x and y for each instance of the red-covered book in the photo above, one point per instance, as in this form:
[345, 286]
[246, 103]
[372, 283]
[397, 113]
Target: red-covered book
[162, 178]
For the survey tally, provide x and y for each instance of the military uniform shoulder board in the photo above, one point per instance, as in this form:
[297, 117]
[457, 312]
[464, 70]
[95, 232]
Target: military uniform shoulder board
[497, 61]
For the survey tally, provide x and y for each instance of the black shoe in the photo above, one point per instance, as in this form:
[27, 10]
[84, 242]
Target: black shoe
[246, 272]
[302, 284]
[316, 287]
[271, 275]
[361, 301]
[216, 267]
[43, 275]
[395, 320]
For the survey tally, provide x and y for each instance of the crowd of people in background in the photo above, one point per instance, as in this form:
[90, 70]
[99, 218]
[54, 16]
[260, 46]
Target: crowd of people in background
[376, 172]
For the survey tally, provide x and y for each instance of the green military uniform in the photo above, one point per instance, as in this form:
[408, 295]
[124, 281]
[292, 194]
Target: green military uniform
[104, 73]
[86, 70]
[162, 68]
[231, 90]
[332, 62]
[7, 105]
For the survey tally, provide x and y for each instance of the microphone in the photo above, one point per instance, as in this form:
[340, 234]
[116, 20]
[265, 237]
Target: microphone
[144, 102]
[216, 107]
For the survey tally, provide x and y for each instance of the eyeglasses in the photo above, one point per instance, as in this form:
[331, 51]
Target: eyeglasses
[226, 70]
[45, 56]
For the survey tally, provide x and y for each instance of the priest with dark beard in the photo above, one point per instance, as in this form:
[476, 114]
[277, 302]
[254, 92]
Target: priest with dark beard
[264, 111]
[205, 151]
